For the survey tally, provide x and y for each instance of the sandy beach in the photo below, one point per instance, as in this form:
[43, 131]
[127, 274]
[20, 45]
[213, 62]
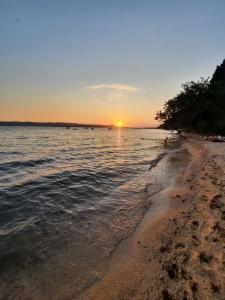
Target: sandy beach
[112, 150]
[178, 250]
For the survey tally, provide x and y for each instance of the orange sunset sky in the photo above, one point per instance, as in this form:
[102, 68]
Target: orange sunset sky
[103, 61]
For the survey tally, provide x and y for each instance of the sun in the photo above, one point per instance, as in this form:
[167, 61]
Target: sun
[119, 124]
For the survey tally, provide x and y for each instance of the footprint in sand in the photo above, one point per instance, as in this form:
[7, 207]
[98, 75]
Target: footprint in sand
[215, 288]
[196, 241]
[179, 245]
[223, 215]
[205, 257]
[195, 225]
[204, 198]
[166, 295]
[220, 226]
[172, 271]
[165, 248]
[216, 202]
[194, 288]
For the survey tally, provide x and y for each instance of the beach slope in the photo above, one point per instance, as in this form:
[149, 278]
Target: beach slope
[177, 253]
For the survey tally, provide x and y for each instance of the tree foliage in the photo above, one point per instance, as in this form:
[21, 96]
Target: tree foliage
[199, 107]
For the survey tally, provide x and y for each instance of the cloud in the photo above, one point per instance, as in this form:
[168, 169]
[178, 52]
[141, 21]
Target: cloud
[118, 87]
[114, 91]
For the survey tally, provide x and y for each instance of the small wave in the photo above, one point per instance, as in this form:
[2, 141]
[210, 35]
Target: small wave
[22, 137]
[26, 163]
[10, 153]
[154, 162]
[177, 148]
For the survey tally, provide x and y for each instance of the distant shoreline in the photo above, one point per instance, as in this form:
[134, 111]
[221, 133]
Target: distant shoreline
[63, 124]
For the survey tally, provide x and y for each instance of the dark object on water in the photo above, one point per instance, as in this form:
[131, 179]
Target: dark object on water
[165, 142]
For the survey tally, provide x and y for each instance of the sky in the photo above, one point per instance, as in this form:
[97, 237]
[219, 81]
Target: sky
[103, 61]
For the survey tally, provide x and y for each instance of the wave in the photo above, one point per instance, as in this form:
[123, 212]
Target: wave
[154, 162]
[26, 163]
[10, 153]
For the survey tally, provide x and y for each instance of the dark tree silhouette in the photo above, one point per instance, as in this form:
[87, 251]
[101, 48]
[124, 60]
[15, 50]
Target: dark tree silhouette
[219, 74]
[199, 107]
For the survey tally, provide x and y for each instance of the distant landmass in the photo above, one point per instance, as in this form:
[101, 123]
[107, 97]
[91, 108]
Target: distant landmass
[51, 124]
[62, 124]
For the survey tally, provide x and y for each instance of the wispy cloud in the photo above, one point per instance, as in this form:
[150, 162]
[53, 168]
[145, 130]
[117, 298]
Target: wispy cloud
[114, 91]
[118, 87]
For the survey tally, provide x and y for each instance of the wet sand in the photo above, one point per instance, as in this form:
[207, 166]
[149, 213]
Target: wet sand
[178, 250]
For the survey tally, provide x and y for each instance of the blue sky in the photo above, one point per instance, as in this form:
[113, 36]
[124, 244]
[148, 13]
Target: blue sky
[103, 60]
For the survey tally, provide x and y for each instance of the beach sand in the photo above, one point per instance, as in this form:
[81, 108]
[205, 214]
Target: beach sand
[178, 250]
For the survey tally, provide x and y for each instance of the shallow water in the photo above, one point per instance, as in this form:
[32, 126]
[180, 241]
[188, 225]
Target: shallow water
[68, 197]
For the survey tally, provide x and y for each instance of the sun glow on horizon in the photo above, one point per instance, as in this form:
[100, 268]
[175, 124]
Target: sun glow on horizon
[119, 124]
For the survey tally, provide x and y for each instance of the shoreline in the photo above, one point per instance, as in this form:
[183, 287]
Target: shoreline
[76, 248]
[172, 254]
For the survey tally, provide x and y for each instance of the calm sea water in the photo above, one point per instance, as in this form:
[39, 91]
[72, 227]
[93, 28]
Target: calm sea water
[68, 197]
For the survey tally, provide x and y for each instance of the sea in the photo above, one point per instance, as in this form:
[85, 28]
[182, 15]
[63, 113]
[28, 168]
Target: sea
[68, 197]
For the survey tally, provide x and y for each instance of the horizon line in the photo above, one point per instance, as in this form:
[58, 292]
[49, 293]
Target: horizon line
[62, 124]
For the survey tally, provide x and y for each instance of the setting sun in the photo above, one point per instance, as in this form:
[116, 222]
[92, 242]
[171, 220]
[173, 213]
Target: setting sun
[119, 124]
